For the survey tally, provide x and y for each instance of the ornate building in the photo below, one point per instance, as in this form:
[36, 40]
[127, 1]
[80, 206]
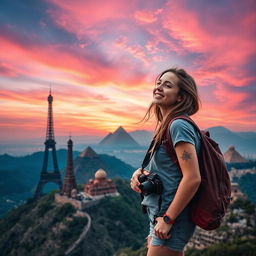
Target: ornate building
[69, 188]
[100, 186]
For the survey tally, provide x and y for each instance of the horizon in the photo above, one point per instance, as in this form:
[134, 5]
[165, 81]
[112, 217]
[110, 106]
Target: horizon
[102, 78]
[101, 136]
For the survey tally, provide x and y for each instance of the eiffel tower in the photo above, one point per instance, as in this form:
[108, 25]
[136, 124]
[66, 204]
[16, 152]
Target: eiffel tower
[49, 176]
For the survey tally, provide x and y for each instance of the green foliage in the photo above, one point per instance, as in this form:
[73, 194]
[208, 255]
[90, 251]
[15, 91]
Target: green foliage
[247, 185]
[14, 216]
[246, 205]
[245, 247]
[40, 226]
[232, 218]
[62, 212]
[130, 252]
[74, 227]
[117, 222]
[51, 228]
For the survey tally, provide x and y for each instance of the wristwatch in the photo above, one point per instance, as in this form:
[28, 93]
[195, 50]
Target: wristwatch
[167, 219]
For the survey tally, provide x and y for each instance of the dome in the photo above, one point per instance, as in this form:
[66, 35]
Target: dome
[100, 174]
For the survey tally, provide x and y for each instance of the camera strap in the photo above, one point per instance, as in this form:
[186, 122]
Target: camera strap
[145, 163]
[147, 157]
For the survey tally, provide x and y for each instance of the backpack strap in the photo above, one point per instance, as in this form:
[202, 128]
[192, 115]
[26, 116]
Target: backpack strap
[167, 140]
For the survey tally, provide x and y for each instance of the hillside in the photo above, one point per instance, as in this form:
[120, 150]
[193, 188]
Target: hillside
[20, 175]
[39, 228]
[46, 228]
[85, 167]
[240, 247]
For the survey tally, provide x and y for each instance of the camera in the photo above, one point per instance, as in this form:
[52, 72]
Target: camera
[150, 184]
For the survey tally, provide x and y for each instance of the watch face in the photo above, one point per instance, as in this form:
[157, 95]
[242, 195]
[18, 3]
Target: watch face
[167, 219]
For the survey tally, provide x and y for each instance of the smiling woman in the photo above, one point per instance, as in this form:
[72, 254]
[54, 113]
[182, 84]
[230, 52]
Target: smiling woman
[168, 208]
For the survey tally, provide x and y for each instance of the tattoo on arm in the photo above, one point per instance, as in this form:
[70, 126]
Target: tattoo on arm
[185, 155]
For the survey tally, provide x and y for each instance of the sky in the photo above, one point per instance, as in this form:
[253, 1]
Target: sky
[101, 58]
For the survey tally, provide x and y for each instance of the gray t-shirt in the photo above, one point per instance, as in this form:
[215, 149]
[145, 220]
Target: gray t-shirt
[160, 163]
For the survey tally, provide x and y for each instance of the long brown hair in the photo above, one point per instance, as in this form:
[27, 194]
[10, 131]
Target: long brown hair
[189, 103]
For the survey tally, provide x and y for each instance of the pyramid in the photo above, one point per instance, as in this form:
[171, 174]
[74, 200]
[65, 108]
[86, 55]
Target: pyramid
[88, 152]
[120, 138]
[232, 156]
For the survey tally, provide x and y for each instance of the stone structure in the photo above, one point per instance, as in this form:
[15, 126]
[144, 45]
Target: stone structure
[69, 188]
[54, 175]
[236, 192]
[100, 186]
[88, 152]
[232, 156]
[203, 239]
[78, 204]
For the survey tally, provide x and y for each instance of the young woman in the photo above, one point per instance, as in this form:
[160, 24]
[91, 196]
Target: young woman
[175, 94]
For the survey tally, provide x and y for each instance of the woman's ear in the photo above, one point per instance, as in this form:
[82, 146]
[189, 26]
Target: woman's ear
[179, 99]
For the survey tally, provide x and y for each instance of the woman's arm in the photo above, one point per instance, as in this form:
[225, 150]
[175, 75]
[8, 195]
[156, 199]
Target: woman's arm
[187, 188]
[187, 157]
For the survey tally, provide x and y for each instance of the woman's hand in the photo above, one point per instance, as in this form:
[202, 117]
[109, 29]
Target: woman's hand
[162, 229]
[134, 180]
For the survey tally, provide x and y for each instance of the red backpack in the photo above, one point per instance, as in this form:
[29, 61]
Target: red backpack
[211, 201]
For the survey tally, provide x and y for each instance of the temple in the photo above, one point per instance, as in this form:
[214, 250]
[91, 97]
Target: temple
[100, 186]
[232, 156]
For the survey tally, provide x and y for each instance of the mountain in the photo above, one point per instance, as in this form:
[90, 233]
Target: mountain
[119, 139]
[88, 152]
[87, 163]
[45, 228]
[244, 144]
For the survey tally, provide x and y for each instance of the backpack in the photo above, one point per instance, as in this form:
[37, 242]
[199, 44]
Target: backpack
[213, 196]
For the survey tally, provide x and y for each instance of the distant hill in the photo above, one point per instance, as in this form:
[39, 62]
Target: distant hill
[119, 139]
[244, 142]
[45, 228]
[86, 166]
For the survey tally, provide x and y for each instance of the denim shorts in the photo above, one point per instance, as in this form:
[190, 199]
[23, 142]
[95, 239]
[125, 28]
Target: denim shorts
[181, 231]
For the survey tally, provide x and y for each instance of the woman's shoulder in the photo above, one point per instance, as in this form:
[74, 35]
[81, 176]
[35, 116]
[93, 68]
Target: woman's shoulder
[182, 130]
[180, 124]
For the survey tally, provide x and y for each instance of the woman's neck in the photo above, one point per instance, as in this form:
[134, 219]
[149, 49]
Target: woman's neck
[165, 112]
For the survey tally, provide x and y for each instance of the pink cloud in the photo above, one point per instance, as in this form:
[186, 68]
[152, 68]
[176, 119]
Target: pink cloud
[147, 16]
[221, 46]
[83, 17]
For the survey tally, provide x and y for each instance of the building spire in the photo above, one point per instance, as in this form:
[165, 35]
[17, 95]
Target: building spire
[70, 180]
[49, 130]
[46, 175]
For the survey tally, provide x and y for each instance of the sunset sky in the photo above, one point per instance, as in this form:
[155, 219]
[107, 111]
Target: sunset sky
[102, 56]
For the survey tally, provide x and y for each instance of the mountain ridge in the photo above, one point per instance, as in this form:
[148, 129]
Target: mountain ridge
[119, 138]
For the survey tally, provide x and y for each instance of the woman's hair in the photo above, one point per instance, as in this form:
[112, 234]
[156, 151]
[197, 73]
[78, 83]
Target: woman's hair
[189, 103]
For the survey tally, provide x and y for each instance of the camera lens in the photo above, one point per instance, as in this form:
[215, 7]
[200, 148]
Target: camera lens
[146, 187]
[142, 178]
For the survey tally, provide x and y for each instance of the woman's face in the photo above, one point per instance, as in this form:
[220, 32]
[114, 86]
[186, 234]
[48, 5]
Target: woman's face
[166, 92]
